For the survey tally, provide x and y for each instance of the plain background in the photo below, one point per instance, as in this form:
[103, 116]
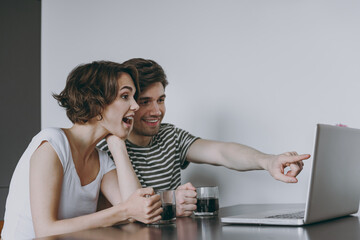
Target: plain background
[258, 72]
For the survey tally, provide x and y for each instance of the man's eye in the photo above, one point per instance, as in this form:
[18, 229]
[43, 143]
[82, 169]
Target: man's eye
[144, 102]
[161, 100]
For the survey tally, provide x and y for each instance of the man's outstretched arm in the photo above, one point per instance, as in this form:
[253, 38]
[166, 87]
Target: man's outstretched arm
[243, 158]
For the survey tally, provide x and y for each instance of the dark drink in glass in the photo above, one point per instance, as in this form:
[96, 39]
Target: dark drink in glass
[169, 212]
[168, 204]
[207, 201]
[207, 205]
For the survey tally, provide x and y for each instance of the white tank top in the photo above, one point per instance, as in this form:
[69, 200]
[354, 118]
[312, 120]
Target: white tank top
[75, 200]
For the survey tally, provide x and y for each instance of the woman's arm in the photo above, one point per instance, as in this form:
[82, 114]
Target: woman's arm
[46, 175]
[118, 186]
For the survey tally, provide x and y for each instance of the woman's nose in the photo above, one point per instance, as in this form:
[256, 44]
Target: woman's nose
[134, 105]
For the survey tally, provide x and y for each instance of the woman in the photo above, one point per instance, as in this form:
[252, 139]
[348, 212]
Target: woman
[56, 183]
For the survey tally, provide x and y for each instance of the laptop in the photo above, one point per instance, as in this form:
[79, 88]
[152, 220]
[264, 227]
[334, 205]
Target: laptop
[341, 228]
[333, 187]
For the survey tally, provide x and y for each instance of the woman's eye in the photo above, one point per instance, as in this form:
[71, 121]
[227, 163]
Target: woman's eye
[125, 96]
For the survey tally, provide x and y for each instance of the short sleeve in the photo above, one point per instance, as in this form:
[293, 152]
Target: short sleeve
[185, 139]
[57, 139]
[107, 164]
[103, 146]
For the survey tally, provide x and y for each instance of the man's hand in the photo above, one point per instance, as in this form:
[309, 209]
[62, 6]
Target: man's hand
[277, 164]
[185, 200]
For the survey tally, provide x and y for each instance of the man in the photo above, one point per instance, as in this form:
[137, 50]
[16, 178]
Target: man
[159, 150]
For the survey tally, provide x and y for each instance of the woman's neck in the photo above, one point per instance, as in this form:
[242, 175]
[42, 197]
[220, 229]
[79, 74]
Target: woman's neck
[83, 139]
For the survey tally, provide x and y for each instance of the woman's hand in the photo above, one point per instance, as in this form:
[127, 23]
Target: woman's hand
[115, 143]
[144, 206]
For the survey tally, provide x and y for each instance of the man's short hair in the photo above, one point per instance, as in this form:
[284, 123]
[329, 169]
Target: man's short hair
[149, 72]
[91, 87]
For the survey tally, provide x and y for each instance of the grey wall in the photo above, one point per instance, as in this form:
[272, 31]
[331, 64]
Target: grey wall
[257, 72]
[20, 24]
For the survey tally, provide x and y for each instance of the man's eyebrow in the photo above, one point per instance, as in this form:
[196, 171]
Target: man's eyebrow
[147, 98]
[144, 98]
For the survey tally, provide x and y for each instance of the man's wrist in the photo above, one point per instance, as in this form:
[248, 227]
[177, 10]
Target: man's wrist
[265, 161]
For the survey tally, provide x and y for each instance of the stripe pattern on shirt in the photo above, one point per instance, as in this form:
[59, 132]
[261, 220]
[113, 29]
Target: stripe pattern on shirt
[158, 165]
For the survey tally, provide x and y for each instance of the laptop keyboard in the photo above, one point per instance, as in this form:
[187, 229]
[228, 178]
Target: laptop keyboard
[295, 215]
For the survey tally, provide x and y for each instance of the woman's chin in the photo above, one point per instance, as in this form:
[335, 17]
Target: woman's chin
[124, 134]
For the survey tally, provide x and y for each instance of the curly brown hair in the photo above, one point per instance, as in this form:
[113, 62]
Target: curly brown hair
[91, 87]
[149, 72]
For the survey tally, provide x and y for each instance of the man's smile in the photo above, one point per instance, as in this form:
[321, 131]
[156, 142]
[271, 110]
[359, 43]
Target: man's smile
[152, 121]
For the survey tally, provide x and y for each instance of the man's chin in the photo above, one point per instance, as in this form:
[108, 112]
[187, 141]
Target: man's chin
[150, 134]
[146, 132]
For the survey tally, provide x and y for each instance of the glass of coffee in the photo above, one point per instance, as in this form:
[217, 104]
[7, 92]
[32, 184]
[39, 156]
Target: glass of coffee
[207, 201]
[168, 203]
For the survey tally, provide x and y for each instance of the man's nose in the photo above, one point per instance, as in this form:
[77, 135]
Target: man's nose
[155, 109]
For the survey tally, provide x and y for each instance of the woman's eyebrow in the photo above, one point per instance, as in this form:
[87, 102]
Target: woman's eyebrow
[127, 87]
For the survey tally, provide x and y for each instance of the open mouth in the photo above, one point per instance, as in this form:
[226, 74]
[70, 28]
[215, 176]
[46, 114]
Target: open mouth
[128, 120]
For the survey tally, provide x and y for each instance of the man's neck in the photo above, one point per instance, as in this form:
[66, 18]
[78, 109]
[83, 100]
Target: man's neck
[139, 139]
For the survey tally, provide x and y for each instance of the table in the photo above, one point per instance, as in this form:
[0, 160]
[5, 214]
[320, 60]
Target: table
[194, 228]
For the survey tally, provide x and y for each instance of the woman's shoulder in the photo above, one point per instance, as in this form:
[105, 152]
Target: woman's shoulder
[51, 133]
[51, 130]
[57, 139]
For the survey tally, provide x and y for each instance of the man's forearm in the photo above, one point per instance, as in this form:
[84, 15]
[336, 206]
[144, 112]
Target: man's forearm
[231, 155]
[243, 158]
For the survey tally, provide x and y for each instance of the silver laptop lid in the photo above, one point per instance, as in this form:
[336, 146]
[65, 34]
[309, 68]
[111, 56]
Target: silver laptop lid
[334, 183]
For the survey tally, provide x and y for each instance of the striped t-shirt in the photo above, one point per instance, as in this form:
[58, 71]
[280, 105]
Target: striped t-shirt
[158, 165]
